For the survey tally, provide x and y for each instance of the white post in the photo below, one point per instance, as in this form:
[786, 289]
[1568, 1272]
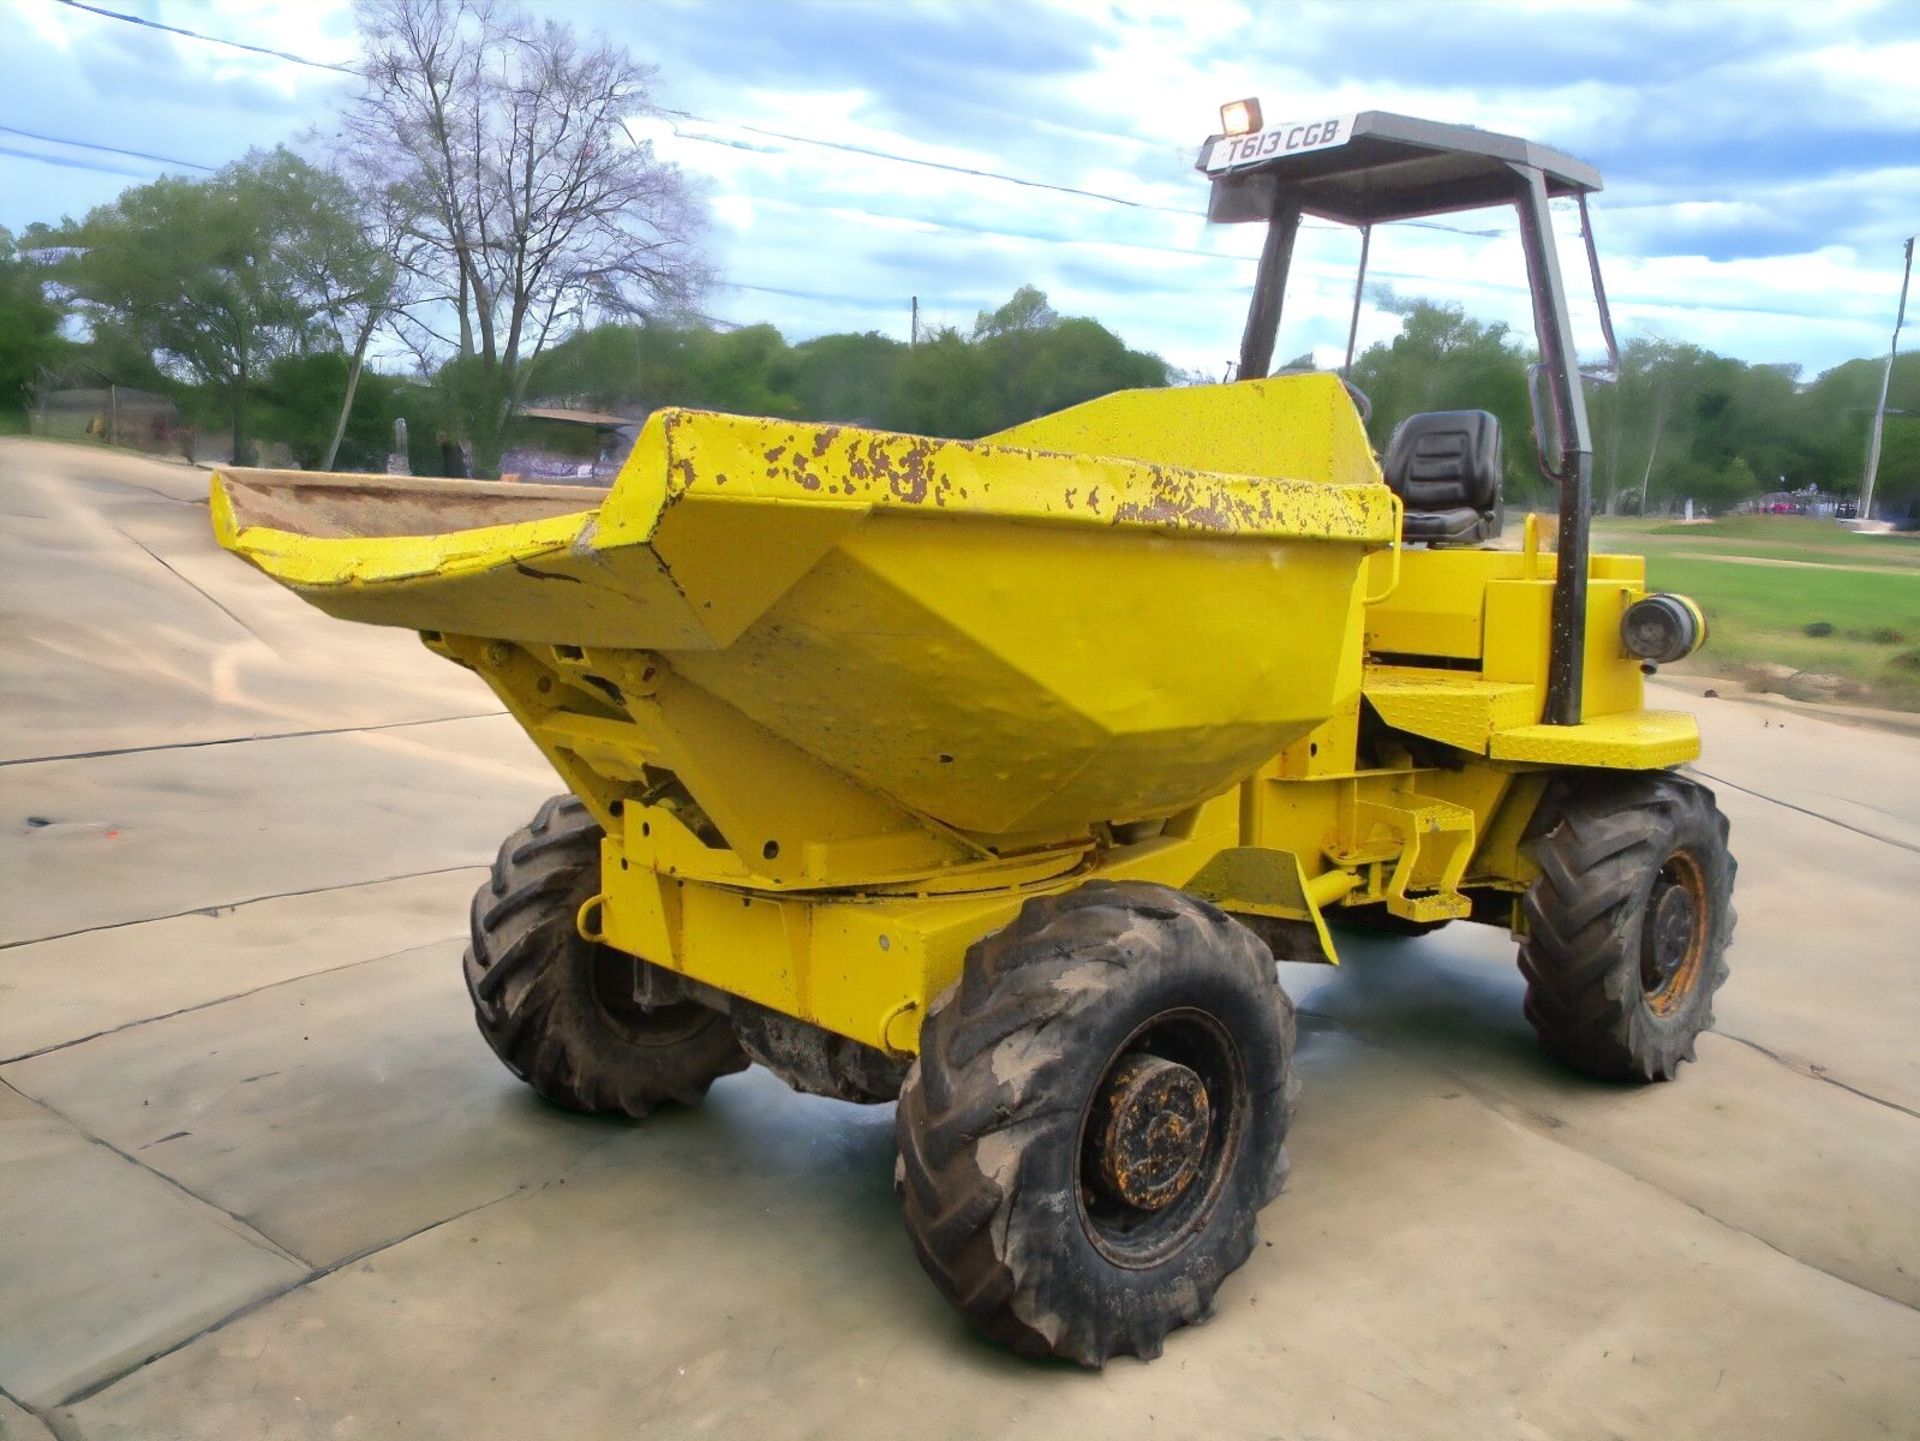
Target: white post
[1880, 410]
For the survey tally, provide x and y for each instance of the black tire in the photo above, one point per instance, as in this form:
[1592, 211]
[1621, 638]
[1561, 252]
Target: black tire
[558, 1009]
[1628, 923]
[1003, 1174]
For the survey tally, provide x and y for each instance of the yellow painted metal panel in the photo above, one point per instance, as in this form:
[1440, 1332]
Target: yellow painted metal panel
[1519, 632]
[1262, 881]
[846, 699]
[960, 675]
[1628, 740]
[596, 576]
[1612, 681]
[1004, 640]
[1438, 606]
[521, 581]
[1455, 707]
[863, 966]
[1298, 426]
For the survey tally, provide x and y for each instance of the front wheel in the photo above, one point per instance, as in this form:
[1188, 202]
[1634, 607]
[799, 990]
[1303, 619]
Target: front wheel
[1628, 923]
[1097, 1113]
[559, 1010]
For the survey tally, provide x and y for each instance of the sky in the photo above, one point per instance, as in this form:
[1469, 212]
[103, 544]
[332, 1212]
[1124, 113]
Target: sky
[1762, 161]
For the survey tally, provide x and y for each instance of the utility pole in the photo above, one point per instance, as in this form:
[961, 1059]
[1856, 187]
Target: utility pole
[1659, 429]
[1886, 379]
[913, 335]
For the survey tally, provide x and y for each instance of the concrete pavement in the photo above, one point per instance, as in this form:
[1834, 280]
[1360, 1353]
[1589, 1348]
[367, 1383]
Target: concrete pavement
[258, 1176]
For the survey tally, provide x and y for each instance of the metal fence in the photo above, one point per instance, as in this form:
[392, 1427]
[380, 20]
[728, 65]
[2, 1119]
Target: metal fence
[113, 415]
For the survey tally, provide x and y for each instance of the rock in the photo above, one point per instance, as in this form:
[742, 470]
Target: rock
[1815, 685]
[1766, 675]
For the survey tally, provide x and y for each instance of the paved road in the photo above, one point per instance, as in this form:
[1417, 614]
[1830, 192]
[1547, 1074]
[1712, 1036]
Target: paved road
[259, 1177]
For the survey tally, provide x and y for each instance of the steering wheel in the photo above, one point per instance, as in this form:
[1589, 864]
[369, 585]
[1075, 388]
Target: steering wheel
[1360, 401]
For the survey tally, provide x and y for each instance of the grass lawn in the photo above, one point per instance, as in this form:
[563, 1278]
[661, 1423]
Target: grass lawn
[1861, 585]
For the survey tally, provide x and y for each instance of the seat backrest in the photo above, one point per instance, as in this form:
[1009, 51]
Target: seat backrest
[1446, 466]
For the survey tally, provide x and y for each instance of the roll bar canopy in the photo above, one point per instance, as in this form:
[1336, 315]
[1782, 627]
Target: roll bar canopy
[1373, 167]
[1377, 168]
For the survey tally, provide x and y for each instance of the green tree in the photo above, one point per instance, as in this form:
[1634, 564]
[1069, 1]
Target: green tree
[1020, 361]
[1442, 359]
[848, 377]
[1642, 422]
[1898, 486]
[30, 339]
[944, 388]
[1833, 414]
[298, 401]
[210, 276]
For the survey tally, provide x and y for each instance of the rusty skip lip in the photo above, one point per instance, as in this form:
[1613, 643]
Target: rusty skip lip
[833, 462]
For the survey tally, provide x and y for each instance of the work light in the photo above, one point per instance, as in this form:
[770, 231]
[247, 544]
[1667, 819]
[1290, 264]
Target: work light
[1240, 117]
[1662, 628]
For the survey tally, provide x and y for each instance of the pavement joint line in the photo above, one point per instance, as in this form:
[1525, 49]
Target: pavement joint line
[221, 1001]
[1815, 1075]
[167, 565]
[1518, 1116]
[1361, 1034]
[317, 1273]
[248, 740]
[253, 1232]
[31, 1410]
[1817, 815]
[1553, 1134]
[174, 499]
[214, 908]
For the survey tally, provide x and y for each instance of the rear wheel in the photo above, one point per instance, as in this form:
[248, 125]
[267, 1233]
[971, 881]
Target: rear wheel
[557, 1009]
[1628, 923]
[1098, 1112]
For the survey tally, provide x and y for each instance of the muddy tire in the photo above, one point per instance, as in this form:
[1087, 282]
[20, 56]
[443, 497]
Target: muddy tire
[1628, 923]
[1098, 1111]
[559, 1010]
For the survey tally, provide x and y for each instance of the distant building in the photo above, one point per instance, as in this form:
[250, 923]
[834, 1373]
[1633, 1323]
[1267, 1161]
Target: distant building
[112, 414]
[1808, 500]
[551, 443]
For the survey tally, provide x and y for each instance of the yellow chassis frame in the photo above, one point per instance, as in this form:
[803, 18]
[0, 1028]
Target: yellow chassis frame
[1416, 798]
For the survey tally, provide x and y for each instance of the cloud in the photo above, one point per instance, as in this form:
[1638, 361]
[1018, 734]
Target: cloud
[1762, 160]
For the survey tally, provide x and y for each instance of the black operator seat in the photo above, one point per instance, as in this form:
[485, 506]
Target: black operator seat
[1445, 465]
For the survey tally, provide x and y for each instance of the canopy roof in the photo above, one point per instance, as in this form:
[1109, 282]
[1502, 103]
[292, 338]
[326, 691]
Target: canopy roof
[1392, 167]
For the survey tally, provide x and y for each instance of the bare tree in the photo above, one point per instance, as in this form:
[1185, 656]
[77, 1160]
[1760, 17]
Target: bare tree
[360, 287]
[530, 205]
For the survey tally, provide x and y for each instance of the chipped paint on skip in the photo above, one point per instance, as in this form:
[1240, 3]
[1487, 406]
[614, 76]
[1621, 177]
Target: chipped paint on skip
[882, 470]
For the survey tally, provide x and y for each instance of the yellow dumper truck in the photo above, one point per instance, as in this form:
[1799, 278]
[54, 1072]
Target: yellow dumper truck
[992, 775]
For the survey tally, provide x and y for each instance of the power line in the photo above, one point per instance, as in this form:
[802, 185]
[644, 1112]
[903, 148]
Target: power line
[1020, 180]
[92, 145]
[928, 164]
[72, 162]
[841, 145]
[210, 39]
[1029, 236]
[790, 137]
[950, 226]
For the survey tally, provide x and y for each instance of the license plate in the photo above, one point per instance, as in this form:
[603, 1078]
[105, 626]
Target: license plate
[1291, 137]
